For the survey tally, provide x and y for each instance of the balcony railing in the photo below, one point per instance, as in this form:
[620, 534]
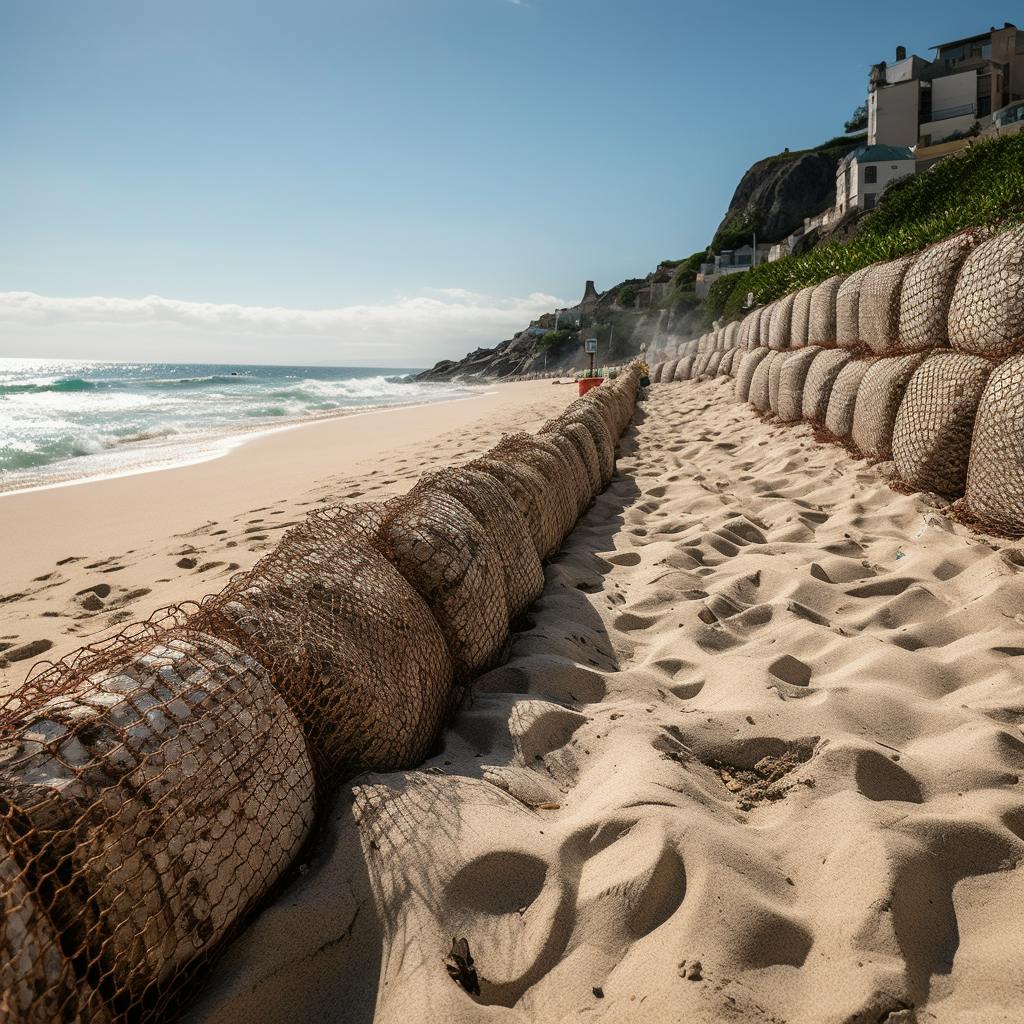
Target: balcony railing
[948, 112]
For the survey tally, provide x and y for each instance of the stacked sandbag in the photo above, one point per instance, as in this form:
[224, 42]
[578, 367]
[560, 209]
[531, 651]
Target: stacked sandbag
[848, 310]
[529, 493]
[346, 640]
[656, 372]
[986, 313]
[586, 449]
[878, 401]
[821, 321]
[928, 290]
[725, 367]
[995, 473]
[714, 361]
[843, 399]
[821, 376]
[931, 441]
[732, 335]
[801, 319]
[684, 368]
[879, 309]
[153, 789]
[781, 323]
[668, 372]
[792, 379]
[775, 379]
[764, 325]
[586, 413]
[745, 374]
[759, 383]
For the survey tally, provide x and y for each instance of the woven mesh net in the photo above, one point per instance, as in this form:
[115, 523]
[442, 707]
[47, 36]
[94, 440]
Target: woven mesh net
[154, 788]
[764, 325]
[995, 473]
[714, 361]
[584, 413]
[878, 401]
[986, 313]
[843, 399]
[746, 327]
[789, 406]
[821, 375]
[931, 441]
[801, 319]
[728, 360]
[700, 365]
[848, 310]
[781, 324]
[879, 310]
[928, 290]
[574, 467]
[684, 368]
[669, 372]
[732, 334]
[348, 642]
[529, 493]
[759, 383]
[656, 372]
[821, 320]
[775, 379]
[578, 435]
[745, 374]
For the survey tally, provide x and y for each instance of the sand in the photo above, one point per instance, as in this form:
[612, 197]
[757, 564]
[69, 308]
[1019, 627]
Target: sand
[756, 756]
[80, 562]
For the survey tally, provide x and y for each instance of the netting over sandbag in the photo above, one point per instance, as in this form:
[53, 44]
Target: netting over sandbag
[986, 313]
[700, 365]
[714, 361]
[774, 380]
[821, 322]
[759, 383]
[746, 329]
[878, 401]
[348, 642]
[879, 310]
[725, 367]
[529, 491]
[745, 374]
[843, 399]
[927, 292]
[789, 404]
[732, 334]
[152, 790]
[579, 411]
[821, 375]
[669, 372]
[575, 470]
[995, 472]
[781, 323]
[656, 372]
[848, 310]
[931, 441]
[683, 368]
[584, 442]
[801, 319]
[764, 325]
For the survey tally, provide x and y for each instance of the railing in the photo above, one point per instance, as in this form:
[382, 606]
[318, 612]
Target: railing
[945, 115]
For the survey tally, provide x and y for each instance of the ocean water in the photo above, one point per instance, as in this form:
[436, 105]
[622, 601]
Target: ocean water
[66, 420]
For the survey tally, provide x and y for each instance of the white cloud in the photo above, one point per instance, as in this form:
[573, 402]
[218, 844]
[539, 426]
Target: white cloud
[411, 330]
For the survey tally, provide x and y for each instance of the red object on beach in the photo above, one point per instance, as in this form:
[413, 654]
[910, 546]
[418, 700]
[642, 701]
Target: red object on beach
[586, 383]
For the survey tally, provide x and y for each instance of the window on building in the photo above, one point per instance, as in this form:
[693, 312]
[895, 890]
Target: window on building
[870, 175]
[870, 200]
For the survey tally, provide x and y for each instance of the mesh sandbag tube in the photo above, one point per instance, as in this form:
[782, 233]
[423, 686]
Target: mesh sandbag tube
[759, 383]
[656, 372]
[789, 406]
[879, 309]
[931, 441]
[801, 319]
[153, 789]
[345, 638]
[781, 323]
[745, 374]
[775, 379]
[986, 313]
[843, 398]
[821, 319]
[683, 368]
[848, 310]
[821, 375]
[764, 325]
[878, 401]
[575, 470]
[528, 491]
[668, 373]
[578, 435]
[583, 412]
[928, 290]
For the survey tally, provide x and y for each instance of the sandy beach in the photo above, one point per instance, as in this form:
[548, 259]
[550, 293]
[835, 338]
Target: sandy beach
[755, 756]
[81, 561]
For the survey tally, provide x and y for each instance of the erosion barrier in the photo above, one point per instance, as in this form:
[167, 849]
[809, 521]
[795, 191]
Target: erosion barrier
[916, 362]
[155, 788]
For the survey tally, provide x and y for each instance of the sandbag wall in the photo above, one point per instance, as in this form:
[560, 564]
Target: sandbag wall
[918, 361]
[154, 788]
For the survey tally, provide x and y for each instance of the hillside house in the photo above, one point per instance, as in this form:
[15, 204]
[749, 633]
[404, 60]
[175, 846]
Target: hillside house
[865, 172]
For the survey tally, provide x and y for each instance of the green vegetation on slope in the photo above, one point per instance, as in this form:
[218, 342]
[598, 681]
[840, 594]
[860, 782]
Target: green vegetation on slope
[983, 185]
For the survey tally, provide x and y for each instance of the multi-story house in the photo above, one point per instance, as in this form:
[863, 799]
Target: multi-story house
[865, 172]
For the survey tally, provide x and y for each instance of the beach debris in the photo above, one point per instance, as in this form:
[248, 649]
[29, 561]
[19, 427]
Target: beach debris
[691, 970]
[460, 966]
[598, 992]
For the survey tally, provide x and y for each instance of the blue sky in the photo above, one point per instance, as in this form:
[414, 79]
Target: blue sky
[434, 172]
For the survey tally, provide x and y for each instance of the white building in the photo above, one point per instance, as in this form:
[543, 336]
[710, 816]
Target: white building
[728, 261]
[865, 173]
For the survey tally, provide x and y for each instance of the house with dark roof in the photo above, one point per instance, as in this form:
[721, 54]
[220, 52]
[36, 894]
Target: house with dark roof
[865, 172]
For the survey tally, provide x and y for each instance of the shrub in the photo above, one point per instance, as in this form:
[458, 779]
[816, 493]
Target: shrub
[626, 296]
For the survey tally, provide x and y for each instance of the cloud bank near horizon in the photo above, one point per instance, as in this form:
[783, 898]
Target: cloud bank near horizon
[411, 330]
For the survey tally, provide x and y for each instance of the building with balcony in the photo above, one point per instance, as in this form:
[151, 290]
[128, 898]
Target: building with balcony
[865, 173]
[915, 101]
[728, 261]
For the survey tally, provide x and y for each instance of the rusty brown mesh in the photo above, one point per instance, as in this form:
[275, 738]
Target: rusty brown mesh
[821, 375]
[669, 373]
[684, 368]
[821, 320]
[745, 374]
[493, 507]
[579, 411]
[774, 380]
[153, 788]
[780, 326]
[995, 472]
[764, 325]
[528, 490]
[931, 440]
[801, 320]
[843, 398]
[348, 642]
[789, 406]
[878, 400]
[450, 560]
[848, 309]
[927, 292]
[986, 313]
[759, 383]
[578, 435]
[573, 467]
[879, 309]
